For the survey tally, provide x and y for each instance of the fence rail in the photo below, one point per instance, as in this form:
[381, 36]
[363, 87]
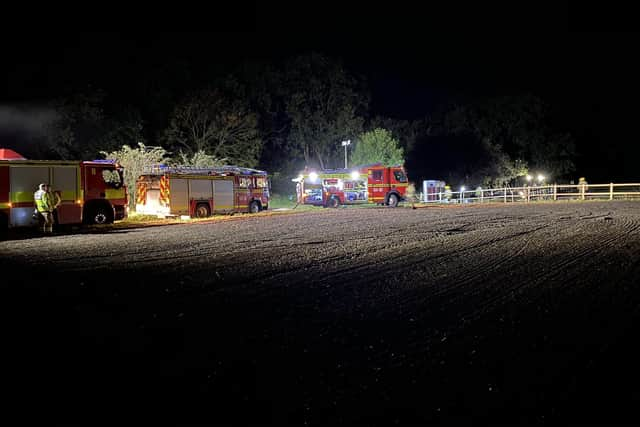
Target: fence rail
[555, 192]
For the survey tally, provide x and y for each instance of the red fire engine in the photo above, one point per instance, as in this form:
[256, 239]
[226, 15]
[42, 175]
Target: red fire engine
[373, 183]
[199, 192]
[92, 192]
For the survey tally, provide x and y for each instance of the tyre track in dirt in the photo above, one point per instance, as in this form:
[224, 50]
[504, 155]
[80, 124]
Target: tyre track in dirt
[562, 270]
[303, 303]
[376, 253]
[600, 241]
[345, 306]
[326, 269]
[462, 292]
[487, 296]
[576, 327]
[386, 261]
[486, 290]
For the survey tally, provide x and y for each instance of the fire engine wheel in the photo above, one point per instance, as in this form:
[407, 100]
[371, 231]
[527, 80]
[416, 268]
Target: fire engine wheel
[254, 207]
[333, 203]
[202, 211]
[101, 215]
[393, 200]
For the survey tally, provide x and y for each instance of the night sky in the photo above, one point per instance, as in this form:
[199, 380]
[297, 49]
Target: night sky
[590, 80]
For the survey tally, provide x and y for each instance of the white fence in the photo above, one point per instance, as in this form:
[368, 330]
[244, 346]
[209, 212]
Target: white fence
[609, 191]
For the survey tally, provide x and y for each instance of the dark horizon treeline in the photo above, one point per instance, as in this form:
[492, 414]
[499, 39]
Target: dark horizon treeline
[282, 115]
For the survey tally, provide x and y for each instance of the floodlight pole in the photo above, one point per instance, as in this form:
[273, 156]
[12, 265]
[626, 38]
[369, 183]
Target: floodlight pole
[345, 144]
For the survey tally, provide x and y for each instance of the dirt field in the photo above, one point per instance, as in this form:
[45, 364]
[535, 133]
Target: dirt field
[524, 313]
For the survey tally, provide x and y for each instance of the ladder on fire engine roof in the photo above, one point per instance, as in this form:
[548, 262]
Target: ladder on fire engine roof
[192, 170]
[354, 168]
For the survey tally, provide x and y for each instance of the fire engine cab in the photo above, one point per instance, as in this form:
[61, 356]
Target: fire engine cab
[372, 183]
[199, 192]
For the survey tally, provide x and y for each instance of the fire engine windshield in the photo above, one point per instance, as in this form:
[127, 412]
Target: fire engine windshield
[113, 177]
[400, 176]
[261, 182]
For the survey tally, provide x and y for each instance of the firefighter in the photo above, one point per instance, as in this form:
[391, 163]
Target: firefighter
[447, 193]
[57, 200]
[45, 204]
[582, 187]
[478, 193]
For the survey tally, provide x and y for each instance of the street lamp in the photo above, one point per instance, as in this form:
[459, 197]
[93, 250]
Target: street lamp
[345, 144]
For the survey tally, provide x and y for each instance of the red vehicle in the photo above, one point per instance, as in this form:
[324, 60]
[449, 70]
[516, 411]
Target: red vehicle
[92, 192]
[374, 183]
[200, 192]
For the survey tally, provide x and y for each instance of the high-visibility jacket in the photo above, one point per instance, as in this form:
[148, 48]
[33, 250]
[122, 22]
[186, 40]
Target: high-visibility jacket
[44, 201]
[447, 192]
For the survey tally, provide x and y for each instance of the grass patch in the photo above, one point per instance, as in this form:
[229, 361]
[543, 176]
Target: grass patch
[280, 201]
[276, 202]
[288, 201]
[135, 217]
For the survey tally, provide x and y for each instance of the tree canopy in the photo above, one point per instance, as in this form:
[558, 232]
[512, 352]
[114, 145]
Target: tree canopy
[377, 146]
[323, 103]
[515, 134]
[282, 116]
[211, 122]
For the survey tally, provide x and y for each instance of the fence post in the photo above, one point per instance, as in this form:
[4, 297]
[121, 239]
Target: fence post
[555, 192]
[611, 191]
[505, 194]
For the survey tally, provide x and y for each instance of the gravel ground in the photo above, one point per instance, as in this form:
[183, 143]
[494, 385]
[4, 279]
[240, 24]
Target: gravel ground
[519, 313]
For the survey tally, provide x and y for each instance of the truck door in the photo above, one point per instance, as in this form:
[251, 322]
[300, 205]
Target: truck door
[376, 185]
[242, 192]
[398, 180]
[94, 185]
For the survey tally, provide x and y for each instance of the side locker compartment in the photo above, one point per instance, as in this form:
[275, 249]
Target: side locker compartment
[201, 194]
[223, 191]
[65, 179]
[179, 196]
[24, 182]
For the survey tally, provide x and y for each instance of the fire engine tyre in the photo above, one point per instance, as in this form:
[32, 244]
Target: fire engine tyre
[254, 207]
[202, 210]
[393, 200]
[333, 202]
[101, 215]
